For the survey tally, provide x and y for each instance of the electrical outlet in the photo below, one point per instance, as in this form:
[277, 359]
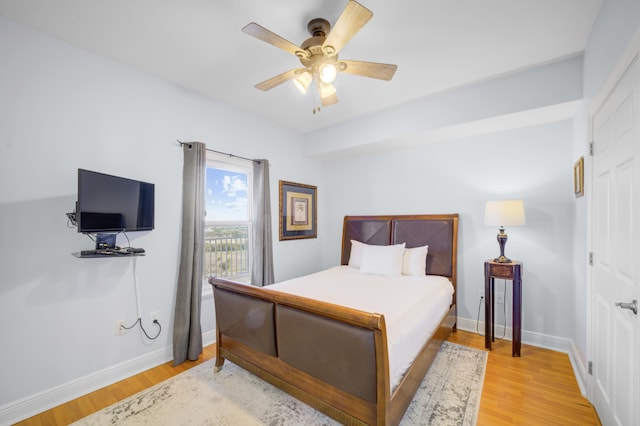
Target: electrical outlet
[155, 316]
[120, 330]
[481, 293]
[500, 298]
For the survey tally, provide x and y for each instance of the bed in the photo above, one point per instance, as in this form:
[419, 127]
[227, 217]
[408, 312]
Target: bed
[336, 358]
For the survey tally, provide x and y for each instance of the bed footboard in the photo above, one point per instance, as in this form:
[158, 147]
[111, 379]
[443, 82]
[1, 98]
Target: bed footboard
[248, 320]
[330, 357]
[342, 355]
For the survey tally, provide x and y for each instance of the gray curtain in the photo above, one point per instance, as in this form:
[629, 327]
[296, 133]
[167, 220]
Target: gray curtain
[187, 332]
[262, 270]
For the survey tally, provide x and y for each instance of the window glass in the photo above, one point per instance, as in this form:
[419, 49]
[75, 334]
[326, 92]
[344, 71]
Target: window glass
[228, 220]
[226, 197]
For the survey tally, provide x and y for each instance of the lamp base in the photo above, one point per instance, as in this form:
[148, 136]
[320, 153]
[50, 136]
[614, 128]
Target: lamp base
[502, 241]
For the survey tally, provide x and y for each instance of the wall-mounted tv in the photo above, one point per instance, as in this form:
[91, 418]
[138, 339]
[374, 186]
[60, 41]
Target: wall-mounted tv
[111, 204]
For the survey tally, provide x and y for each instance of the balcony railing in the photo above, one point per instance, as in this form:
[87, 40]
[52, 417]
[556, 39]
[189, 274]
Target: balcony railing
[226, 251]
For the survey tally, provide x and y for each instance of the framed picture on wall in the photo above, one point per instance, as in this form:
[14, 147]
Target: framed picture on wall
[298, 211]
[578, 177]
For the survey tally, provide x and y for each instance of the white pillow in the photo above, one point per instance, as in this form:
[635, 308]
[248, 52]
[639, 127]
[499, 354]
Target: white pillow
[382, 260]
[355, 256]
[414, 261]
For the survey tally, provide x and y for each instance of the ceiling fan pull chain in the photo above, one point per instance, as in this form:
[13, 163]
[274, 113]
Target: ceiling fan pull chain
[315, 102]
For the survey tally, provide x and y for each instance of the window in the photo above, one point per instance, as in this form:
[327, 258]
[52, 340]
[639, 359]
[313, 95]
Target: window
[227, 247]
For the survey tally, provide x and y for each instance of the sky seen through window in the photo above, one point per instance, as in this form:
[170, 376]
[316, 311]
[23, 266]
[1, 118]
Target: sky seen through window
[226, 195]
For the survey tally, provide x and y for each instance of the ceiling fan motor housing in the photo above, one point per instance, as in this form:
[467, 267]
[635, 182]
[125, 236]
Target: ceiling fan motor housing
[315, 56]
[318, 27]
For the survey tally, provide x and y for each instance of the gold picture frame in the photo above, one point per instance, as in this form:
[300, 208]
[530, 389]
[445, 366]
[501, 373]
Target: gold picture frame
[298, 210]
[578, 178]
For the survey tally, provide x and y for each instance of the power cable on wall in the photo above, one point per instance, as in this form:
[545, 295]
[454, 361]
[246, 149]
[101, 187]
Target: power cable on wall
[504, 312]
[138, 310]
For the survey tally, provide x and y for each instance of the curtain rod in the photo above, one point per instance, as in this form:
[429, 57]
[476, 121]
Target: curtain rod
[223, 153]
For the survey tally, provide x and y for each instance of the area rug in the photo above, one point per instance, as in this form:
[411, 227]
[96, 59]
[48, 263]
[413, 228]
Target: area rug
[448, 395]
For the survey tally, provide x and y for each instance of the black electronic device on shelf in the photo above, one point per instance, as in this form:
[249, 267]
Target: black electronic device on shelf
[115, 252]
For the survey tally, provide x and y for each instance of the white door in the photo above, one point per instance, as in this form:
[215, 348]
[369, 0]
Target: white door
[615, 330]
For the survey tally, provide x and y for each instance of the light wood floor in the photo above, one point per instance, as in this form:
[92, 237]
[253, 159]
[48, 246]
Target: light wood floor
[538, 388]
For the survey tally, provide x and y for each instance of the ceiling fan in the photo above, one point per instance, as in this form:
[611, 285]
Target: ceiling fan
[319, 53]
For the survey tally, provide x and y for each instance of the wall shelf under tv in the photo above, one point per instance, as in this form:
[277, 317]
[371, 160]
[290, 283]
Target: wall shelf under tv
[92, 254]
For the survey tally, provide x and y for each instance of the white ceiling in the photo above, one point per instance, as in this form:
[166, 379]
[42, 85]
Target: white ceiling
[197, 44]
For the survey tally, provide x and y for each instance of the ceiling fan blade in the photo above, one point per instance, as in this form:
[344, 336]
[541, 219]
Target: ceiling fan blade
[279, 79]
[261, 33]
[368, 69]
[327, 93]
[353, 18]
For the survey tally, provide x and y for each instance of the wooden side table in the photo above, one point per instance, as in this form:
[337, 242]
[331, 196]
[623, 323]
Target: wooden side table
[508, 271]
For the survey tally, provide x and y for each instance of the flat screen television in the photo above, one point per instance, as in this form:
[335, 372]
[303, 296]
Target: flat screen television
[110, 204]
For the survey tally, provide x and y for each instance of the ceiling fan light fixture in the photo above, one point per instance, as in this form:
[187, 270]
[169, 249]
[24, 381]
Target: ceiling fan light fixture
[327, 73]
[327, 93]
[303, 81]
[326, 90]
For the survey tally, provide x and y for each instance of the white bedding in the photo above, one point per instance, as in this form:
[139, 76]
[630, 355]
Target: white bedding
[412, 306]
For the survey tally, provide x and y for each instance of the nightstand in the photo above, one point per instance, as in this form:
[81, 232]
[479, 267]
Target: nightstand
[508, 271]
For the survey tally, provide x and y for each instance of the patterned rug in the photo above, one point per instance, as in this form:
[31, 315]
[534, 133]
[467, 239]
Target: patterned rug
[448, 395]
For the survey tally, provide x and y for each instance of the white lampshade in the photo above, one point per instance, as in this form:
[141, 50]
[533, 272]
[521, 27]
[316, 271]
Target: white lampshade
[504, 213]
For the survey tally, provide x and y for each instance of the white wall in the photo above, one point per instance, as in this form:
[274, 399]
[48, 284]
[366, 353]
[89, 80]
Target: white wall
[617, 22]
[530, 96]
[62, 108]
[533, 164]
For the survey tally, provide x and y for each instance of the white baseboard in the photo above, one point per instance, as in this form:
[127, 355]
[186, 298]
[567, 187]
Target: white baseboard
[209, 338]
[540, 340]
[34, 404]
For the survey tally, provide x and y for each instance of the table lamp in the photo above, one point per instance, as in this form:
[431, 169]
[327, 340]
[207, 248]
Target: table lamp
[503, 213]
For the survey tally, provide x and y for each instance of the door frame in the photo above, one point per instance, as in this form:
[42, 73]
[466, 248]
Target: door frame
[626, 59]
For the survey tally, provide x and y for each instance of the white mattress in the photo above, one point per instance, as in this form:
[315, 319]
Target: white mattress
[412, 306]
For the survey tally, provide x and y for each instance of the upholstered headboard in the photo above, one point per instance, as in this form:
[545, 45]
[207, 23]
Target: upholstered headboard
[439, 232]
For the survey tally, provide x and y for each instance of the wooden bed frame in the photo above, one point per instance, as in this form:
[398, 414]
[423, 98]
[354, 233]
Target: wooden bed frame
[331, 357]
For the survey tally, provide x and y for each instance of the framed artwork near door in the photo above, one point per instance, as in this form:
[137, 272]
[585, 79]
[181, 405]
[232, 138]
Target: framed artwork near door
[578, 178]
[298, 211]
